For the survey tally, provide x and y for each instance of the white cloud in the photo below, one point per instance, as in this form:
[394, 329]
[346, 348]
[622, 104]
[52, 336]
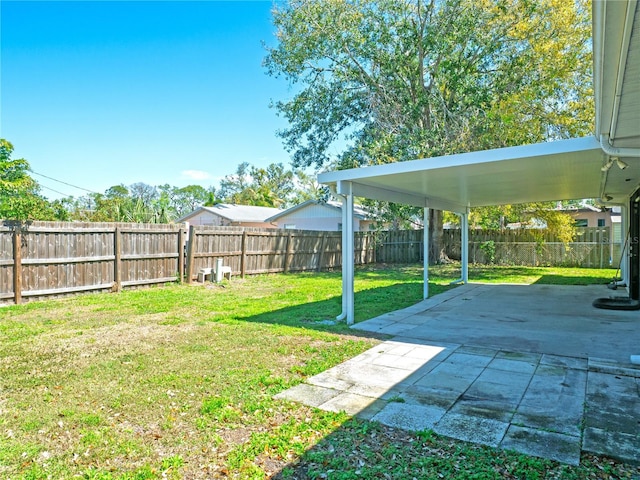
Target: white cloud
[196, 174]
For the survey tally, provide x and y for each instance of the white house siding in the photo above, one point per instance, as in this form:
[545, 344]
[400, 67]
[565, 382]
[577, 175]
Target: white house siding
[206, 218]
[253, 224]
[315, 217]
[212, 220]
[316, 211]
[325, 224]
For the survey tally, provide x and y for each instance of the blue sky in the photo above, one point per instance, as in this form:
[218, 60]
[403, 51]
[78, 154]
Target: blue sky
[101, 93]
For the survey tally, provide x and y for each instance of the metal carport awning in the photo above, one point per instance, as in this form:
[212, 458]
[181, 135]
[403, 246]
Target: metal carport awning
[560, 170]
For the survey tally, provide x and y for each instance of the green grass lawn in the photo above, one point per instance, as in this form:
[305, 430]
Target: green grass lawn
[177, 382]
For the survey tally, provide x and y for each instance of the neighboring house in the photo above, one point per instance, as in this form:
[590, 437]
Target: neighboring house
[317, 215]
[584, 216]
[590, 216]
[226, 214]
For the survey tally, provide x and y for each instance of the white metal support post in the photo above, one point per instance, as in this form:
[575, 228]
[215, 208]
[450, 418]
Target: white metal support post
[464, 250]
[425, 260]
[344, 189]
[343, 313]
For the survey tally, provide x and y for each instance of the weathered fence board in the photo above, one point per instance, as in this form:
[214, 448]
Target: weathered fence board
[252, 251]
[402, 246]
[40, 259]
[592, 248]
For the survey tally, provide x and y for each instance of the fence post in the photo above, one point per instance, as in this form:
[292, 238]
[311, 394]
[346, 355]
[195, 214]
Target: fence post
[287, 255]
[321, 252]
[181, 241]
[243, 255]
[17, 265]
[190, 253]
[117, 259]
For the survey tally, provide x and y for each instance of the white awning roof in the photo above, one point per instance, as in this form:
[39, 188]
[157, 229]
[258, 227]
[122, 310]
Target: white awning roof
[566, 169]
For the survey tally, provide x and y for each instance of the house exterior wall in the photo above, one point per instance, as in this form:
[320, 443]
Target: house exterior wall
[592, 218]
[253, 224]
[327, 224]
[212, 220]
[314, 211]
[315, 217]
[206, 218]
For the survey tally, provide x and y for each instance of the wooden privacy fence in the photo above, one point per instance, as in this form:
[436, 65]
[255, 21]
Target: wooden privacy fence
[251, 250]
[296, 250]
[399, 246]
[39, 259]
[592, 248]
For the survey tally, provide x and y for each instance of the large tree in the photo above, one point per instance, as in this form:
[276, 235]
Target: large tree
[393, 80]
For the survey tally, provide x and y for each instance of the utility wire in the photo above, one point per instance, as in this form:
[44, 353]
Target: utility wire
[65, 183]
[56, 191]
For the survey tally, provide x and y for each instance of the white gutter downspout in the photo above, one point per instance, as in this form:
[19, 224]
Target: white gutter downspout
[612, 151]
[622, 64]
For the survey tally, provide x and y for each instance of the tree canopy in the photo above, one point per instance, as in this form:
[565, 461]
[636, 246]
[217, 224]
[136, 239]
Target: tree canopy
[401, 80]
[20, 197]
[140, 203]
[272, 186]
[381, 81]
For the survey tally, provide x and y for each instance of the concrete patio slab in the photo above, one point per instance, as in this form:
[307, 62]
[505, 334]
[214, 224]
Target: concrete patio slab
[472, 428]
[483, 409]
[558, 361]
[546, 378]
[540, 443]
[311, 395]
[539, 319]
[504, 390]
[410, 417]
[350, 403]
[614, 444]
[421, 395]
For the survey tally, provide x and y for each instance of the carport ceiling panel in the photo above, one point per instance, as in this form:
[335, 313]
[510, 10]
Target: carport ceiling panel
[531, 179]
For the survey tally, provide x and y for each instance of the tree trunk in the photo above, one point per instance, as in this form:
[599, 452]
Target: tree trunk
[437, 254]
